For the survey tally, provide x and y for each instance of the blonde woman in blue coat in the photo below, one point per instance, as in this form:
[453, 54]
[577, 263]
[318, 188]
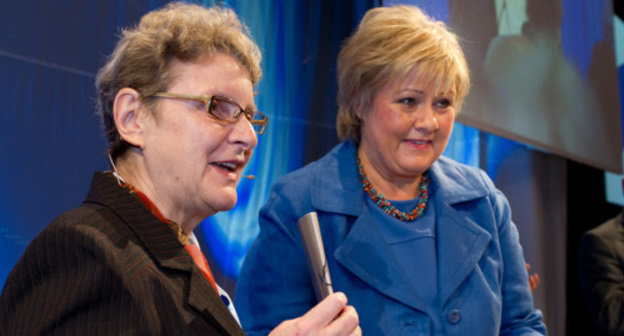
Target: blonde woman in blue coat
[420, 244]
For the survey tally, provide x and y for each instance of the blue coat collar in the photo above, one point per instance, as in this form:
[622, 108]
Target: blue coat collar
[338, 188]
[461, 242]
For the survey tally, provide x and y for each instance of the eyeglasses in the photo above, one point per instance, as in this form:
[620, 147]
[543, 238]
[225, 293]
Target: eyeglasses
[222, 108]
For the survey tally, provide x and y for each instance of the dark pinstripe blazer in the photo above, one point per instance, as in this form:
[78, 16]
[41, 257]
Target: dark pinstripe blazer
[110, 267]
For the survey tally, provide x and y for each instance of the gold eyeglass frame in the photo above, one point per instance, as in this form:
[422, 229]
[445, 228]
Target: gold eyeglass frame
[207, 101]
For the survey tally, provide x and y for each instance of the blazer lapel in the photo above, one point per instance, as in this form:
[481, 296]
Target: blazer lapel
[161, 242]
[461, 243]
[203, 298]
[365, 253]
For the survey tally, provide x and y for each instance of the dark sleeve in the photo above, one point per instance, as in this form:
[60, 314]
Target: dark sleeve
[63, 284]
[602, 283]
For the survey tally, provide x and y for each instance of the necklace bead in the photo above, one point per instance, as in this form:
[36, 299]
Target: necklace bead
[390, 209]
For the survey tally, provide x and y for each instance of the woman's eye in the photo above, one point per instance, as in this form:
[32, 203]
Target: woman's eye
[407, 101]
[443, 103]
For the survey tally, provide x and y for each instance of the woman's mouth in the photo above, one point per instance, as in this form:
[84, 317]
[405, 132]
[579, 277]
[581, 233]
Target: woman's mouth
[227, 166]
[419, 142]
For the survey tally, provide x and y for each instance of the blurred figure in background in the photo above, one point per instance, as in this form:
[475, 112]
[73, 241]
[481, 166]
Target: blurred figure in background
[601, 257]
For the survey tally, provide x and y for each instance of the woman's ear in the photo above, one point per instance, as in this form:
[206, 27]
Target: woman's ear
[127, 114]
[359, 112]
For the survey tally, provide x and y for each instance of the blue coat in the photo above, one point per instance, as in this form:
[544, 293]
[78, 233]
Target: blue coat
[482, 281]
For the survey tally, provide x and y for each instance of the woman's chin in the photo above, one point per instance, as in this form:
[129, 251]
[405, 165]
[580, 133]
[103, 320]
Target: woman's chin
[220, 200]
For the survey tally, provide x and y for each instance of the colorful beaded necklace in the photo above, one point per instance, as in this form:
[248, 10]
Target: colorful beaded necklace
[390, 209]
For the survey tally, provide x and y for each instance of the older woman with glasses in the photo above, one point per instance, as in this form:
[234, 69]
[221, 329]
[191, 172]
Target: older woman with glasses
[177, 101]
[421, 244]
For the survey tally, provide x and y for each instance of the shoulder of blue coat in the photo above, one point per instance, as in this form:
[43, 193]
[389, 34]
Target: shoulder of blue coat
[328, 184]
[458, 182]
[326, 166]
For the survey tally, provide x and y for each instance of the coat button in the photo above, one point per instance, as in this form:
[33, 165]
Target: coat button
[454, 316]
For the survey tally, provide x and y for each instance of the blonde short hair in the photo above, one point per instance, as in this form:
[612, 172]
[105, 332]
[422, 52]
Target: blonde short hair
[142, 57]
[388, 44]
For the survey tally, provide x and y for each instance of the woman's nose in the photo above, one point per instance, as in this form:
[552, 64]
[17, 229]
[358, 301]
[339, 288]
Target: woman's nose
[243, 133]
[427, 121]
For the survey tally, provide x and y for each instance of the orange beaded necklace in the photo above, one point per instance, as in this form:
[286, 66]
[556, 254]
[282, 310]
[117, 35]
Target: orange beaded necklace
[390, 209]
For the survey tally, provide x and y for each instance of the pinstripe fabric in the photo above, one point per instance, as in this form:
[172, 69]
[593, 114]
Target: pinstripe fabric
[110, 267]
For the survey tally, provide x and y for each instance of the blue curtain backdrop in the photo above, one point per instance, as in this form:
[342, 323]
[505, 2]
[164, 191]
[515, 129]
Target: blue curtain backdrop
[49, 54]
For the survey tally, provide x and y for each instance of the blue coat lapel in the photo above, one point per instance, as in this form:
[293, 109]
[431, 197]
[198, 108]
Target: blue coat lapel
[363, 251]
[365, 254]
[461, 242]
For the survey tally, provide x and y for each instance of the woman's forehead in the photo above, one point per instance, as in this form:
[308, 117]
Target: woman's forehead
[416, 79]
